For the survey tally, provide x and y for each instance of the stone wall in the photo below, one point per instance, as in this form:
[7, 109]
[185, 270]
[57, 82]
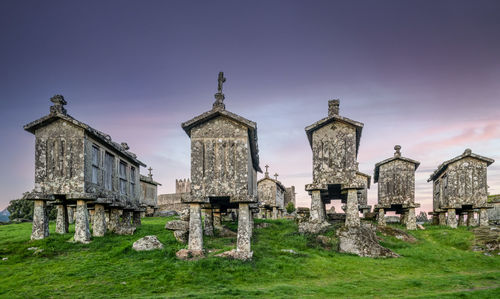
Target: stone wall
[396, 183]
[171, 202]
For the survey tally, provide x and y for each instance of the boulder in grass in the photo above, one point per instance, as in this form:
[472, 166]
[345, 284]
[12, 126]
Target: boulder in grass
[362, 241]
[125, 230]
[177, 225]
[147, 243]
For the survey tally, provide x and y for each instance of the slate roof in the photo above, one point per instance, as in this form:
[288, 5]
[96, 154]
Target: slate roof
[332, 118]
[377, 166]
[147, 179]
[104, 138]
[209, 115]
[467, 153]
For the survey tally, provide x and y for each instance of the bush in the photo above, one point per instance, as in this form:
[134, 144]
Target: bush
[290, 208]
[23, 208]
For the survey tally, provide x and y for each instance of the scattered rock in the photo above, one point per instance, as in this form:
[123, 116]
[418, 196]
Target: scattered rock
[237, 255]
[181, 236]
[190, 255]
[147, 243]
[313, 228]
[487, 239]
[324, 241]
[289, 251]
[177, 225]
[5, 258]
[32, 248]
[397, 233]
[227, 233]
[124, 230]
[362, 241]
[184, 214]
[262, 225]
[166, 213]
[420, 226]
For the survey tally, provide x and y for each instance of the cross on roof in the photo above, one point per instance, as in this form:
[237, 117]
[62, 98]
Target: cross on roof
[150, 172]
[276, 176]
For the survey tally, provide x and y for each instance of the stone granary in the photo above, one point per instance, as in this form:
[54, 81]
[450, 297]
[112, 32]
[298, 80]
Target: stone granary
[75, 163]
[224, 166]
[149, 193]
[271, 196]
[396, 188]
[364, 180]
[335, 143]
[460, 187]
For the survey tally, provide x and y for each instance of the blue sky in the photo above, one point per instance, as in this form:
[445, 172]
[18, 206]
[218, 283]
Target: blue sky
[422, 74]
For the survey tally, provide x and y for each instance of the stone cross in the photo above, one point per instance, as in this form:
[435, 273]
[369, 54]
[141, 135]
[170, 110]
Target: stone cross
[398, 150]
[220, 81]
[267, 173]
[59, 103]
[276, 176]
[150, 172]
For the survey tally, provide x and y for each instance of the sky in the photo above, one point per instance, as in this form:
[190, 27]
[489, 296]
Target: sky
[421, 74]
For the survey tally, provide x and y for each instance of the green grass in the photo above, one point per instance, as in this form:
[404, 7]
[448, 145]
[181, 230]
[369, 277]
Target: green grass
[439, 265]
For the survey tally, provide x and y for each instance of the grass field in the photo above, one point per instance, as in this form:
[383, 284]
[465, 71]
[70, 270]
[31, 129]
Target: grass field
[439, 265]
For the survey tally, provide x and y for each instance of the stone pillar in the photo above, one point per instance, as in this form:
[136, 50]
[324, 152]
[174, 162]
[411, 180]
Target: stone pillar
[411, 219]
[99, 221]
[262, 213]
[381, 217]
[195, 227]
[40, 228]
[365, 211]
[452, 218]
[442, 218]
[62, 223]
[126, 218]
[268, 214]
[275, 213]
[71, 215]
[461, 219]
[244, 229]
[82, 231]
[471, 220]
[352, 212]
[318, 213]
[435, 218]
[208, 221]
[136, 218]
[403, 217]
[483, 217]
[217, 219]
[114, 219]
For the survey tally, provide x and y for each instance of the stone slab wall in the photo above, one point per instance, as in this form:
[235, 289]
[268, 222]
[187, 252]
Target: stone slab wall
[396, 184]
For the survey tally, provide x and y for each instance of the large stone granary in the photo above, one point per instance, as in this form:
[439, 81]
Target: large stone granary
[75, 163]
[224, 166]
[334, 141]
[460, 187]
[271, 196]
[396, 188]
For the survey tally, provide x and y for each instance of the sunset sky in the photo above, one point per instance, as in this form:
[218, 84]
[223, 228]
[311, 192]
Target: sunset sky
[422, 74]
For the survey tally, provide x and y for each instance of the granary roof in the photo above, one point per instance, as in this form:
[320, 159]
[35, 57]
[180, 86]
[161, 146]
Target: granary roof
[58, 112]
[332, 117]
[221, 111]
[273, 180]
[149, 179]
[368, 178]
[397, 156]
[467, 153]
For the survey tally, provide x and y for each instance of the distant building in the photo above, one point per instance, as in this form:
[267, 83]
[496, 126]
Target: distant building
[173, 201]
[149, 193]
[271, 197]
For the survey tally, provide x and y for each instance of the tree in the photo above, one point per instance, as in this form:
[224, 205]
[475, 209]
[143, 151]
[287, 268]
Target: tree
[23, 208]
[422, 217]
[290, 208]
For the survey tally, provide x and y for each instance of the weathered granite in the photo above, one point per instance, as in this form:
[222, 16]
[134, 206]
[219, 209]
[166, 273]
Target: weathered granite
[208, 222]
[40, 229]
[381, 217]
[362, 241]
[82, 231]
[177, 225]
[244, 229]
[136, 218]
[71, 215]
[62, 222]
[147, 243]
[99, 221]
[411, 222]
[195, 228]
[451, 218]
[483, 217]
[114, 219]
[352, 212]
[125, 230]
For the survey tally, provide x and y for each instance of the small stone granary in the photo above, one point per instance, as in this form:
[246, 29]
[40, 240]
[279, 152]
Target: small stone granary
[396, 188]
[149, 193]
[460, 187]
[271, 197]
[76, 164]
[224, 166]
[335, 143]
[364, 180]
